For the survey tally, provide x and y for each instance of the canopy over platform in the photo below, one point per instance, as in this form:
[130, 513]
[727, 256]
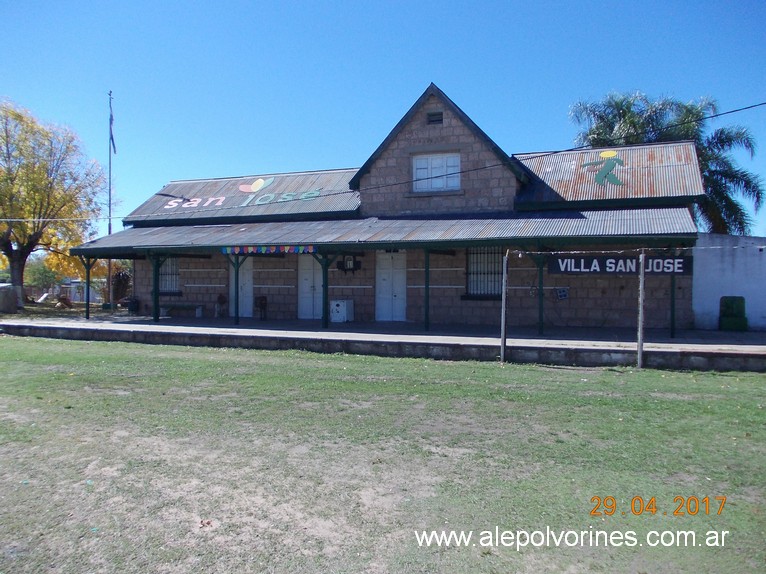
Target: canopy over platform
[658, 226]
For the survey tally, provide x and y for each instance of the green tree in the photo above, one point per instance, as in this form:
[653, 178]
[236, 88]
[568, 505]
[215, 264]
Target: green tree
[122, 280]
[49, 191]
[38, 274]
[629, 119]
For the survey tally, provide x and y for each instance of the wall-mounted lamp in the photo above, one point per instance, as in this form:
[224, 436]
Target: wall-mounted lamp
[349, 263]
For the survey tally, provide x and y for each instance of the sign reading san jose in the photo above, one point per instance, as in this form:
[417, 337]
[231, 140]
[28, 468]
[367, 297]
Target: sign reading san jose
[623, 265]
[254, 197]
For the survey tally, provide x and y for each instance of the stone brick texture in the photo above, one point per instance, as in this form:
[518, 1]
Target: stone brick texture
[387, 189]
[569, 300]
[487, 187]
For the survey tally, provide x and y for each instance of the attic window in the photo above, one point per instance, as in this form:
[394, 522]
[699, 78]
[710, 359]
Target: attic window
[435, 118]
[437, 172]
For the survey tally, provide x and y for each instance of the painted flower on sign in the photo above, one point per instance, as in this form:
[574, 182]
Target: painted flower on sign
[257, 185]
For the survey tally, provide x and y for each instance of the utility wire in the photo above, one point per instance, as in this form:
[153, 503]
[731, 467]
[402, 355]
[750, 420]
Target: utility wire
[527, 157]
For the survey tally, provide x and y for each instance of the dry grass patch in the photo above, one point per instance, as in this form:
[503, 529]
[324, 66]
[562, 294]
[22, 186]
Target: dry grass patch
[132, 459]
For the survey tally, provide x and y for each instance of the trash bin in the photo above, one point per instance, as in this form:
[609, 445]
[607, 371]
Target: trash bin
[131, 304]
[732, 316]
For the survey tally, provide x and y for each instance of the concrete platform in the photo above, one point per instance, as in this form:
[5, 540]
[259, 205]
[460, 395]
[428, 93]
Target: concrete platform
[695, 350]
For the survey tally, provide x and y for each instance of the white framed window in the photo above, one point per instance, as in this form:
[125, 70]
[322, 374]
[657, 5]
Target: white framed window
[170, 277]
[436, 172]
[484, 277]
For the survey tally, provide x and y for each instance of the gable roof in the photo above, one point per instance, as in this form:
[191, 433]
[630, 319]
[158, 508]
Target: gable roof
[432, 90]
[281, 196]
[641, 175]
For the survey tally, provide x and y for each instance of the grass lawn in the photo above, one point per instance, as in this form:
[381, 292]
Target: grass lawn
[134, 459]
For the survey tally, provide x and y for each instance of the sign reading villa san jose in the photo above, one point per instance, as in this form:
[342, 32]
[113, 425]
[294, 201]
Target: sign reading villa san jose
[621, 265]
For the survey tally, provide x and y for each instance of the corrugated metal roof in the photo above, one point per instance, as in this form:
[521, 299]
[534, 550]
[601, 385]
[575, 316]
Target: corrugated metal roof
[667, 172]
[375, 233]
[273, 196]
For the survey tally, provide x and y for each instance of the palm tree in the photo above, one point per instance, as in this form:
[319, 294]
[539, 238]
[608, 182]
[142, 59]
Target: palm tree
[629, 119]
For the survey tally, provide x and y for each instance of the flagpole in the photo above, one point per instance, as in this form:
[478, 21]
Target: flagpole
[111, 147]
[110, 287]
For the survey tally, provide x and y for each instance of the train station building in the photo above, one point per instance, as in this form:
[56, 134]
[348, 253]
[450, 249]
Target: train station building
[419, 234]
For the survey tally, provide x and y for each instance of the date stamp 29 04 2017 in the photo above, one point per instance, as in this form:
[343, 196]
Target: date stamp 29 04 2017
[681, 506]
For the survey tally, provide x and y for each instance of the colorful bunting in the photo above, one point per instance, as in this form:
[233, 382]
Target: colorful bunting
[268, 249]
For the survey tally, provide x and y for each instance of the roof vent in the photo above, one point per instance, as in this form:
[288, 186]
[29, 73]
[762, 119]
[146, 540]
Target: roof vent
[435, 118]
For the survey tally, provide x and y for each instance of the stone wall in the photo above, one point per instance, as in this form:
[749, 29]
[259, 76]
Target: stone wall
[276, 278]
[569, 300]
[386, 190]
[200, 282]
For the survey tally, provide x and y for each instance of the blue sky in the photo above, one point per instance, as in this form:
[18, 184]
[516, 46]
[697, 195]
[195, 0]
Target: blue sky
[234, 88]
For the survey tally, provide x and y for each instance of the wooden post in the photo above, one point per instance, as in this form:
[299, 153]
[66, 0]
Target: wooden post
[641, 297]
[673, 302]
[504, 297]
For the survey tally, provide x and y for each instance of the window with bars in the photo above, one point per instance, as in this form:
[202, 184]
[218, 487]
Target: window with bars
[484, 272]
[170, 277]
[437, 172]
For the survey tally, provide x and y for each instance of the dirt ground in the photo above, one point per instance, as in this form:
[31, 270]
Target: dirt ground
[145, 459]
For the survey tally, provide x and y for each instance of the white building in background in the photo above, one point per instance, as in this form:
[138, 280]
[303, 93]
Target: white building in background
[729, 266]
[74, 289]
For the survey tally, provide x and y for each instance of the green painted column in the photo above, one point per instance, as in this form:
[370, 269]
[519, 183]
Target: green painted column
[672, 305]
[157, 262]
[540, 295]
[236, 262]
[325, 261]
[504, 307]
[87, 292]
[88, 263]
[325, 292]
